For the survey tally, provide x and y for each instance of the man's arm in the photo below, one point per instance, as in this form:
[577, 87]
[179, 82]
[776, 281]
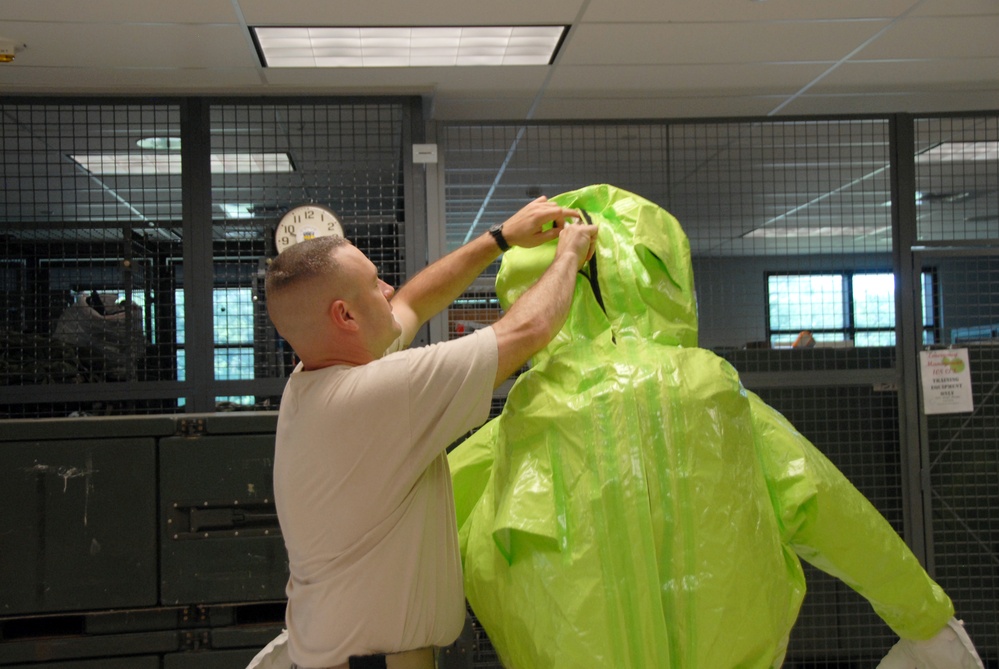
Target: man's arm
[441, 283]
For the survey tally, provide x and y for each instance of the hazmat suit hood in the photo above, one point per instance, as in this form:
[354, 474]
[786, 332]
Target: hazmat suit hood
[639, 283]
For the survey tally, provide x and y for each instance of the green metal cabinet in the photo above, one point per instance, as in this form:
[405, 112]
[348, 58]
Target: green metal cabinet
[147, 542]
[77, 524]
[219, 532]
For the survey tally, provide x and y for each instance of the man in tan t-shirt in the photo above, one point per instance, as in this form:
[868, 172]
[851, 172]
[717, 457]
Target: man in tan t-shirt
[361, 483]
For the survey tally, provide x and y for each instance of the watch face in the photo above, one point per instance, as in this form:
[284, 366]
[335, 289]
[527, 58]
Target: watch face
[303, 222]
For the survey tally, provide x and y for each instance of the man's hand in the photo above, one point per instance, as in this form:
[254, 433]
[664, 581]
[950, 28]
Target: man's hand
[538, 222]
[540, 312]
[578, 239]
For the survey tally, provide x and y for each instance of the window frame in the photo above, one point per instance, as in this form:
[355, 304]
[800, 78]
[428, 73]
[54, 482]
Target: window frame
[929, 312]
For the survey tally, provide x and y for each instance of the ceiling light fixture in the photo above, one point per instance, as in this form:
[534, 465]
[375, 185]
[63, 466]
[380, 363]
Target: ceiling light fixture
[408, 47]
[159, 143]
[960, 152]
[237, 209]
[944, 198]
[820, 231]
[135, 164]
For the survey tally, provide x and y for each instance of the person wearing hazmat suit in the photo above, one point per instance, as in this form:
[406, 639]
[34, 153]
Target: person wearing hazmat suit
[634, 506]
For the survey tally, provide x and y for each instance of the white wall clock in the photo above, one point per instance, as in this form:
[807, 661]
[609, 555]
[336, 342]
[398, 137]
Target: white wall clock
[306, 221]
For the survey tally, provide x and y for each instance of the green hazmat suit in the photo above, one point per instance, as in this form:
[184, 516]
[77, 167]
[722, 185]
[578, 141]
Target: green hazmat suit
[634, 506]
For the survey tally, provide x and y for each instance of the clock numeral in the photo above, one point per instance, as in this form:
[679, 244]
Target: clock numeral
[306, 222]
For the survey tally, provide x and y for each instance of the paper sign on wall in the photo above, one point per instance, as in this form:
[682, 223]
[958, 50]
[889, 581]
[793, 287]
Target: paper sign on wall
[946, 380]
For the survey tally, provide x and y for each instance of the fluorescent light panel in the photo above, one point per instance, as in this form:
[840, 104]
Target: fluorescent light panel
[820, 231]
[134, 164]
[408, 47]
[960, 152]
[237, 209]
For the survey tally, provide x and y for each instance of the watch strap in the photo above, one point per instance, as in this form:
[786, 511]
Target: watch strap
[497, 232]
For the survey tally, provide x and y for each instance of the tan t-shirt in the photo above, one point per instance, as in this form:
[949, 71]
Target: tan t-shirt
[363, 494]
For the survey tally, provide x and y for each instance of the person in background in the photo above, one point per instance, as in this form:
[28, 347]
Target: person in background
[361, 480]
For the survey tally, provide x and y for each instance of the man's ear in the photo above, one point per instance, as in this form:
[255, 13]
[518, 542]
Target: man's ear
[340, 315]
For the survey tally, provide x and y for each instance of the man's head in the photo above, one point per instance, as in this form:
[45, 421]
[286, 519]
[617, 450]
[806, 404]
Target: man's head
[325, 298]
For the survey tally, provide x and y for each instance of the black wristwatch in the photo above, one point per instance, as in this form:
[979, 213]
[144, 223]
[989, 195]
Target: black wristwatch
[497, 232]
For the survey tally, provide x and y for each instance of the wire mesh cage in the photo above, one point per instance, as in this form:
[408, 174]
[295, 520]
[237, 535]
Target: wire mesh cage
[344, 157]
[957, 227]
[962, 457]
[91, 221]
[794, 228]
[132, 265]
[131, 285]
[856, 427]
[793, 196]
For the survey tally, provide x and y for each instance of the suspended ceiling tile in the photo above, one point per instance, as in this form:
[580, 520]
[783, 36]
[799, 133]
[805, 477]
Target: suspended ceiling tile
[165, 46]
[909, 75]
[634, 44]
[487, 80]
[759, 78]
[942, 37]
[681, 11]
[464, 82]
[121, 47]
[951, 8]
[133, 81]
[676, 107]
[478, 108]
[889, 103]
[339, 80]
[117, 12]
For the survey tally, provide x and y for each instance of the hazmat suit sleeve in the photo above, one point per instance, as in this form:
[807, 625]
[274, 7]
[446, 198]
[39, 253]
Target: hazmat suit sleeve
[832, 526]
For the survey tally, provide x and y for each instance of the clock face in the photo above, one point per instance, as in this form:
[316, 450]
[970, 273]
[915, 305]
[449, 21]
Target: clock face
[304, 222]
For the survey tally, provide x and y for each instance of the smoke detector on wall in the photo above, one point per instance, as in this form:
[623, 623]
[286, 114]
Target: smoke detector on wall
[9, 48]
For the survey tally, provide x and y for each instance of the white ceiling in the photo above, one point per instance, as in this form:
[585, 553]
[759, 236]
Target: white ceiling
[621, 59]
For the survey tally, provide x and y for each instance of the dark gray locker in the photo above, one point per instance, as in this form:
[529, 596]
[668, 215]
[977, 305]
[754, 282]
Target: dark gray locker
[146, 662]
[77, 524]
[210, 659]
[219, 532]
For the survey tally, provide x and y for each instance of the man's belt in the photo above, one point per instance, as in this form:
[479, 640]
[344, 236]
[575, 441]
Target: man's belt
[420, 658]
